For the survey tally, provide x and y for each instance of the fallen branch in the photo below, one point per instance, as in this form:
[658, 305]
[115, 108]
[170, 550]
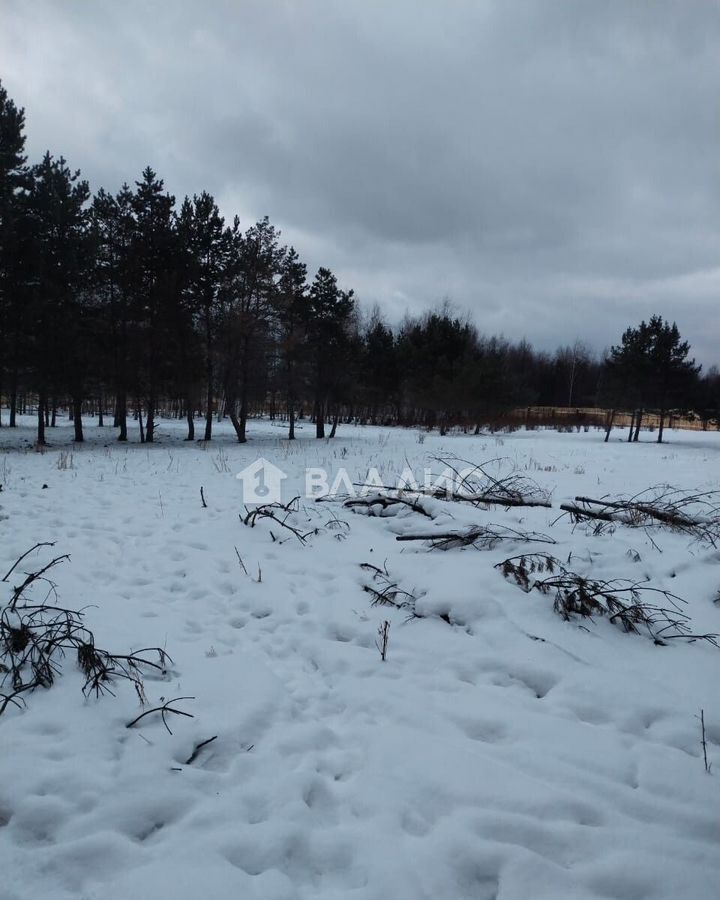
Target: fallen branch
[580, 513]
[198, 747]
[696, 514]
[370, 504]
[472, 484]
[623, 602]
[482, 537]
[477, 486]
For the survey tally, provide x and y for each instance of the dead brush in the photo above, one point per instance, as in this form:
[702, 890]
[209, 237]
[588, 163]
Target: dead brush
[386, 592]
[339, 527]
[35, 638]
[280, 513]
[65, 460]
[221, 462]
[623, 602]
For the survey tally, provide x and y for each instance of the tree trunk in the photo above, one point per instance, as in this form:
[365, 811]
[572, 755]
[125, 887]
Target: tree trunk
[319, 419]
[333, 430]
[291, 416]
[209, 401]
[122, 415]
[190, 422]
[53, 416]
[209, 368]
[150, 421]
[101, 416]
[13, 401]
[41, 419]
[608, 427]
[240, 423]
[138, 416]
[242, 436]
[230, 411]
[77, 419]
[662, 426]
[237, 425]
[638, 423]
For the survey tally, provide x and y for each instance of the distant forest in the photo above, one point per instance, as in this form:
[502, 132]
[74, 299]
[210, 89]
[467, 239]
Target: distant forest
[134, 305]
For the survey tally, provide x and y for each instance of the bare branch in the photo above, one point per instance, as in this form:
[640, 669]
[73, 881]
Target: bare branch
[163, 710]
[198, 747]
[27, 553]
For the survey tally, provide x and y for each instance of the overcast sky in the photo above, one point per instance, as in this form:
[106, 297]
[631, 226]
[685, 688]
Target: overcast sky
[551, 167]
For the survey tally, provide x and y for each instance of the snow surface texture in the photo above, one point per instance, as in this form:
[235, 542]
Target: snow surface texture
[500, 752]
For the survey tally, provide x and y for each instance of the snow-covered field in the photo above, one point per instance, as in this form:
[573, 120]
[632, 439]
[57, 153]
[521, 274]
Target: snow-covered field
[499, 752]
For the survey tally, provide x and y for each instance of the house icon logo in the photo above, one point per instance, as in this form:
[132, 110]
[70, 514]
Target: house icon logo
[261, 482]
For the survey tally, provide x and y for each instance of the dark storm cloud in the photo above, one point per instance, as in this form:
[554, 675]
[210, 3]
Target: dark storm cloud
[551, 166]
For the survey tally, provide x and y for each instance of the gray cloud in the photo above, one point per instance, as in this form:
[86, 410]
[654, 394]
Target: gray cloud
[550, 167]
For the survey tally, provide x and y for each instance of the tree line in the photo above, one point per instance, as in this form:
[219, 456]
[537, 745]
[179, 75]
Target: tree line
[140, 303]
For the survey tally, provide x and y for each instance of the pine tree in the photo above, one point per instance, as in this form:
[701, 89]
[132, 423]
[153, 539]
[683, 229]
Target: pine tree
[54, 249]
[650, 369]
[674, 375]
[248, 299]
[207, 244]
[290, 299]
[328, 314]
[113, 228]
[436, 354]
[155, 285]
[13, 181]
[379, 366]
